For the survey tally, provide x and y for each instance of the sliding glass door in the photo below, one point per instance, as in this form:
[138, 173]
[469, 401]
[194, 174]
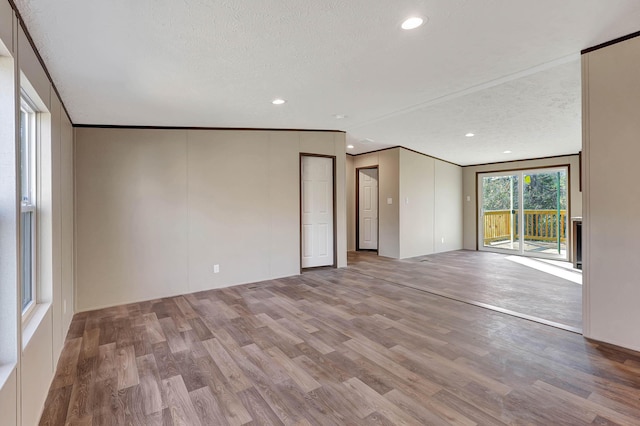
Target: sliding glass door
[524, 212]
[500, 201]
[545, 212]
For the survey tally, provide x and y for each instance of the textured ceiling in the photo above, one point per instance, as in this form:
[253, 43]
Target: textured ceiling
[506, 70]
[531, 116]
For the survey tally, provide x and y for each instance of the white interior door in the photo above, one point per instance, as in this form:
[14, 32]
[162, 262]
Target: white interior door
[368, 209]
[317, 211]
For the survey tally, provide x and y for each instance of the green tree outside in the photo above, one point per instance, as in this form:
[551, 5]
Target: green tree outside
[540, 191]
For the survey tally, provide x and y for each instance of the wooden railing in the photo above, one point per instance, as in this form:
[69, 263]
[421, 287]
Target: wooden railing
[497, 226]
[539, 225]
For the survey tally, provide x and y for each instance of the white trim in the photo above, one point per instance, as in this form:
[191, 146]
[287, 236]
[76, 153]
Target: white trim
[29, 199]
[31, 325]
[586, 210]
[5, 372]
[27, 311]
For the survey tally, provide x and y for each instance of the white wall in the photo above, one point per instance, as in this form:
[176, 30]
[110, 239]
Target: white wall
[430, 205]
[30, 66]
[9, 399]
[67, 287]
[448, 226]
[156, 209]
[417, 204]
[131, 217]
[351, 202]
[28, 354]
[8, 217]
[42, 337]
[611, 108]
[470, 189]
[388, 162]
[37, 369]
[9, 296]
[426, 207]
[7, 27]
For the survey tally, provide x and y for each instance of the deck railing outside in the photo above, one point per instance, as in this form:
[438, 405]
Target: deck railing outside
[539, 225]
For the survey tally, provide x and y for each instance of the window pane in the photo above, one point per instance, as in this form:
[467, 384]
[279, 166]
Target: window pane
[26, 233]
[24, 155]
[28, 207]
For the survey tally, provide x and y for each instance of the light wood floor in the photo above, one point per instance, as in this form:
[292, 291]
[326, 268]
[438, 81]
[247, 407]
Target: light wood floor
[487, 279]
[333, 347]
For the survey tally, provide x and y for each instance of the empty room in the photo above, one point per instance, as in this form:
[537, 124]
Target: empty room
[417, 212]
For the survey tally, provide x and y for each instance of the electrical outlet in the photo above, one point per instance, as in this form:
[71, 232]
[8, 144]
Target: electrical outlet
[216, 269]
[64, 306]
[442, 240]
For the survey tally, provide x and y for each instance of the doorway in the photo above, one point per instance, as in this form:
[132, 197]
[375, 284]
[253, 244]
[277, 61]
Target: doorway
[317, 211]
[367, 209]
[524, 212]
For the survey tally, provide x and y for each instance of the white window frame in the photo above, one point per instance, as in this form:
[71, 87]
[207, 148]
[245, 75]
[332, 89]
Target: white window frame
[521, 231]
[28, 201]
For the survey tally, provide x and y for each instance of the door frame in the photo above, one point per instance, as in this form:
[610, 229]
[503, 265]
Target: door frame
[569, 231]
[358, 209]
[335, 232]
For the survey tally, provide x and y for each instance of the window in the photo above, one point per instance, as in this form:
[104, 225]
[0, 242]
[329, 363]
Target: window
[28, 148]
[524, 212]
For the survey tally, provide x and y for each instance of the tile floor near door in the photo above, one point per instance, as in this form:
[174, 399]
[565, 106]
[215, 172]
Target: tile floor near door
[335, 347]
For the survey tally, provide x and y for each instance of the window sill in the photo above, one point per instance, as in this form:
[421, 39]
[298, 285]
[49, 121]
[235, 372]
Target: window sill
[31, 325]
[5, 372]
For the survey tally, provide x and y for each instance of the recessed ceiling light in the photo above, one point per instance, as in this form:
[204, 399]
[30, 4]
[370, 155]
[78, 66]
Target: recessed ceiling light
[350, 146]
[507, 152]
[412, 23]
[339, 116]
[470, 135]
[278, 101]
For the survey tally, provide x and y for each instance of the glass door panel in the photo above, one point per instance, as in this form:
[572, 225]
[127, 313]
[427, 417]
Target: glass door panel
[500, 212]
[545, 212]
[524, 212]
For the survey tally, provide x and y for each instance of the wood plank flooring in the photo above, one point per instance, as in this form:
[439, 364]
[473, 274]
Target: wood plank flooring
[333, 347]
[488, 279]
